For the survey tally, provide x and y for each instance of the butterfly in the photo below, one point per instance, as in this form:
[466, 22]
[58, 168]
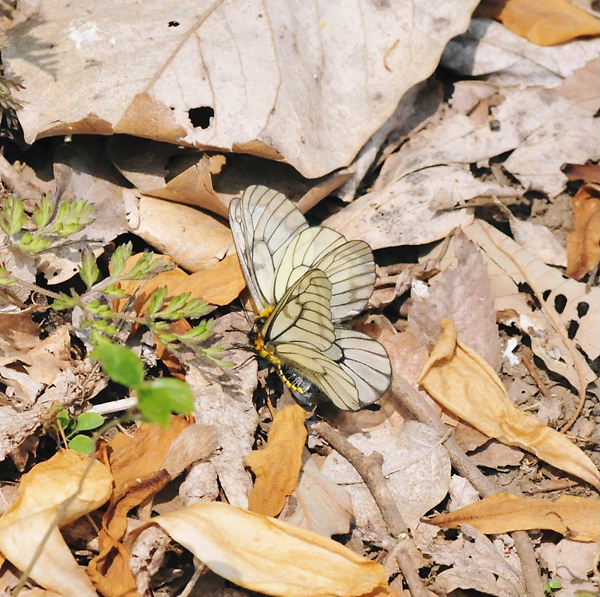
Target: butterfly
[305, 281]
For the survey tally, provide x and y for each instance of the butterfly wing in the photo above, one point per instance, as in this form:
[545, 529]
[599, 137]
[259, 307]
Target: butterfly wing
[302, 316]
[354, 372]
[263, 222]
[327, 375]
[349, 265]
[365, 360]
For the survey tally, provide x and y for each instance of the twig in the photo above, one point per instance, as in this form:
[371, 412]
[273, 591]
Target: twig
[369, 468]
[413, 401]
[527, 358]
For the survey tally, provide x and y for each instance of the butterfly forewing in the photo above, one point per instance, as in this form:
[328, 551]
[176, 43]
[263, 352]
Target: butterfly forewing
[349, 265]
[303, 314]
[263, 222]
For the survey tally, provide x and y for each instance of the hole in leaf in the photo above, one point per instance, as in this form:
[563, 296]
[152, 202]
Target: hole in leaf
[200, 117]
[582, 308]
[173, 24]
[560, 302]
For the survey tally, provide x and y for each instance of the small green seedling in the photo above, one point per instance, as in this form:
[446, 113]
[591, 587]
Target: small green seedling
[158, 398]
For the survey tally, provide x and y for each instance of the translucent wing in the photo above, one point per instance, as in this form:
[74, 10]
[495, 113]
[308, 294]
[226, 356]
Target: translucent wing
[263, 222]
[302, 316]
[333, 380]
[354, 372]
[349, 265]
[365, 361]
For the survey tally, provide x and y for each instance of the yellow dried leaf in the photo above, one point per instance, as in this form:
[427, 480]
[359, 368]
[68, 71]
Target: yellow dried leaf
[269, 556]
[543, 22]
[46, 501]
[461, 381]
[583, 244]
[575, 517]
[277, 467]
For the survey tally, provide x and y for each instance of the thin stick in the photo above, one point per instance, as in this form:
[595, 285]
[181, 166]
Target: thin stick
[369, 468]
[410, 399]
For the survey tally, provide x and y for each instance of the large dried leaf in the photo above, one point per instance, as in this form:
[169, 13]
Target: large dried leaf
[461, 381]
[570, 515]
[137, 465]
[195, 240]
[269, 556]
[206, 63]
[144, 163]
[223, 398]
[52, 494]
[463, 294]
[318, 504]
[277, 466]
[415, 464]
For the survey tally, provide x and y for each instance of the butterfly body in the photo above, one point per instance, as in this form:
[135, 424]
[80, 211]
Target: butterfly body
[304, 282]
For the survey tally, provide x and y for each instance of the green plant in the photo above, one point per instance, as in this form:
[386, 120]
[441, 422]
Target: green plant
[158, 398]
[71, 429]
[48, 225]
[551, 586]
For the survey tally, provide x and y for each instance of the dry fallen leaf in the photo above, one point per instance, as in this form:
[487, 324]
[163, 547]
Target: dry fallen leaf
[583, 244]
[229, 75]
[416, 466]
[269, 556]
[144, 163]
[463, 294]
[223, 399]
[218, 285]
[572, 516]
[506, 59]
[137, 464]
[509, 266]
[461, 381]
[543, 22]
[81, 171]
[318, 504]
[277, 466]
[473, 561]
[52, 494]
[193, 239]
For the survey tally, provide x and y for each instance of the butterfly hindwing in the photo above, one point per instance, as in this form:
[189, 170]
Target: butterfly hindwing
[365, 360]
[303, 315]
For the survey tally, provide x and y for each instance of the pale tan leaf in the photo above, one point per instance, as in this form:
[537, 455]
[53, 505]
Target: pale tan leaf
[194, 239]
[415, 464]
[206, 63]
[52, 494]
[318, 504]
[509, 265]
[269, 556]
[488, 48]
